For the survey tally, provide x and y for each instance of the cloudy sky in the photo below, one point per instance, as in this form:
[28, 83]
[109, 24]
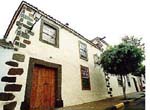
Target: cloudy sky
[91, 18]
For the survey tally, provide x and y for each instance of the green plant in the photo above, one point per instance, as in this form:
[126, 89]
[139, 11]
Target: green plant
[121, 60]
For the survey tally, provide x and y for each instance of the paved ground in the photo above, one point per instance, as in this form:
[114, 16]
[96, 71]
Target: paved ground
[102, 104]
[98, 105]
[137, 105]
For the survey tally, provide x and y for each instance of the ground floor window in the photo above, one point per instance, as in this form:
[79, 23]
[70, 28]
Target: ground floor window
[128, 80]
[85, 78]
[119, 81]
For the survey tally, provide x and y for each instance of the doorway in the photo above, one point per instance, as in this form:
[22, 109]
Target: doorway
[43, 88]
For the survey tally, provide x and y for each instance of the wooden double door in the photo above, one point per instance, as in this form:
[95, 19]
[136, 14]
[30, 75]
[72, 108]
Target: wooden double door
[43, 88]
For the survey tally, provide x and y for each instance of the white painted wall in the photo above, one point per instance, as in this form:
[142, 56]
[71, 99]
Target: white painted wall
[117, 90]
[68, 56]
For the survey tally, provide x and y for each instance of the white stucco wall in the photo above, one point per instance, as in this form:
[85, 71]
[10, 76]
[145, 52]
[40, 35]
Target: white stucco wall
[117, 90]
[68, 56]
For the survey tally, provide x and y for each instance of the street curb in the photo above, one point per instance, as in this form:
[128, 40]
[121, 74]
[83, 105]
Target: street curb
[120, 105]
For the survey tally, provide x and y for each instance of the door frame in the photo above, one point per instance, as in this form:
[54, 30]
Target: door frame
[32, 62]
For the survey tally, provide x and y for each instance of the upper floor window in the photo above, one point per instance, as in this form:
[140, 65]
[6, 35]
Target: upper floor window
[83, 51]
[96, 59]
[85, 78]
[49, 34]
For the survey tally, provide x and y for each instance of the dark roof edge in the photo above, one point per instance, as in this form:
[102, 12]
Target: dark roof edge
[48, 17]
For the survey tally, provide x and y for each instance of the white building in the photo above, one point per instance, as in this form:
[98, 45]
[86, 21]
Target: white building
[45, 64]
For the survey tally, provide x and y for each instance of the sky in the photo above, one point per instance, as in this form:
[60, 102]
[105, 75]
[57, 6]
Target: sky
[91, 18]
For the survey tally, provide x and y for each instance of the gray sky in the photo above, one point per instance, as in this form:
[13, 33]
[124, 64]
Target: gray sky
[91, 18]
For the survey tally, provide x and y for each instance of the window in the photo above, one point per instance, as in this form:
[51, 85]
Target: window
[96, 59]
[128, 80]
[83, 51]
[85, 78]
[119, 81]
[49, 34]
